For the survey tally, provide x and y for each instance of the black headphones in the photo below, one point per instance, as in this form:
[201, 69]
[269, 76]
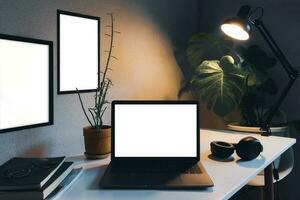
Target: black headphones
[248, 148]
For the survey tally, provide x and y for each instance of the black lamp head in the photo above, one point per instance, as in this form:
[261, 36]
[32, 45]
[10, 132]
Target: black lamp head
[239, 27]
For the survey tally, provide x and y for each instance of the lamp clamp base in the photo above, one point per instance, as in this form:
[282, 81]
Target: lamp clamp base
[265, 130]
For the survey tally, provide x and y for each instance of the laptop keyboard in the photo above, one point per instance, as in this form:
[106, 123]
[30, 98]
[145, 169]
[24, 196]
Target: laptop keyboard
[194, 169]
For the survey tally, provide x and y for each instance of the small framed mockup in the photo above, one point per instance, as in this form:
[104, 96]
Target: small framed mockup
[78, 48]
[26, 83]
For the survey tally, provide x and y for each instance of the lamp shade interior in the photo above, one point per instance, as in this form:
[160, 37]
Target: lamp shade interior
[236, 30]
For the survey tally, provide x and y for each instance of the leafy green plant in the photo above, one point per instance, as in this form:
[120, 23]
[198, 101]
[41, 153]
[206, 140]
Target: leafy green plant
[203, 46]
[240, 79]
[220, 84]
[95, 117]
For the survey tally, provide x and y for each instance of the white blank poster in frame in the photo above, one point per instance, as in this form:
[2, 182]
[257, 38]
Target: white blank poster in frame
[26, 83]
[78, 52]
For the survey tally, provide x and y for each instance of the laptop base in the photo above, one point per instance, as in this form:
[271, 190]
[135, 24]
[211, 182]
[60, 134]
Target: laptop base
[114, 179]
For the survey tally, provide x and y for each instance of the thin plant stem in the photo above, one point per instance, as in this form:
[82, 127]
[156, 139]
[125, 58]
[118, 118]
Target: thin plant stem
[100, 101]
[87, 117]
[90, 110]
[110, 48]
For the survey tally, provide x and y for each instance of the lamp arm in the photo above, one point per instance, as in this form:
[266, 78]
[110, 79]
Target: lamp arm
[265, 126]
[292, 73]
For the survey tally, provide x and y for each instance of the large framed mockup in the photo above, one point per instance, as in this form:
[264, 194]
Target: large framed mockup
[26, 83]
[78, 61]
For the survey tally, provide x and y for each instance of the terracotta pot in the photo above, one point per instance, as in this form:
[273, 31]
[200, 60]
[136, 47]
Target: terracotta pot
[97, 142]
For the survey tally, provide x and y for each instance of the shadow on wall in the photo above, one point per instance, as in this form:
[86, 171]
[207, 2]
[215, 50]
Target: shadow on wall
[146, 67]
[36, 150]
[179, 20]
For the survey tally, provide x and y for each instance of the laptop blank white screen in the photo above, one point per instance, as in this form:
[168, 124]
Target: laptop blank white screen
[156, 130]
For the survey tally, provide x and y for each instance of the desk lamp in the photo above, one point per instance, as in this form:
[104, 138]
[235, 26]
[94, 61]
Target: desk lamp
[239, 28]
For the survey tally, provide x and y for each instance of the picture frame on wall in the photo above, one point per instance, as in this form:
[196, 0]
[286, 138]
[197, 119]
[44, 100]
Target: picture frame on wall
[26, 83]
[78, 52]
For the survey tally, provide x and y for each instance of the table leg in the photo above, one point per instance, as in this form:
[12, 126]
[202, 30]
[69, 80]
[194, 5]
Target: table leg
[269, 186]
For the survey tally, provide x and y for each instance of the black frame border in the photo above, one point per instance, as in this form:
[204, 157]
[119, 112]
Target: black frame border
[153, 159]
[50, 68]
[63, 12]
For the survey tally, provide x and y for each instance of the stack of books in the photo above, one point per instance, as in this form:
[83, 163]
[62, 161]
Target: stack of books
[36, 178]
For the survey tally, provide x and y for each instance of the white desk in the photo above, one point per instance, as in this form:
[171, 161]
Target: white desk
[228, 177]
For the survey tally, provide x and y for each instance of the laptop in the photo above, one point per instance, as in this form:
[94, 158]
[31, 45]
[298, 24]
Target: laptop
[155, 145]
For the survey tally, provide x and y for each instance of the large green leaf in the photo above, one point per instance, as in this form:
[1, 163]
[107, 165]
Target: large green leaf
[220, 84]
[255, 63]
[203, 46]
[257, 58]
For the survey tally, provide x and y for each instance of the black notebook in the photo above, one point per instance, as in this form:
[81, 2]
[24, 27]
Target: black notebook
[42, 193]
[28, 173]
[65, 184]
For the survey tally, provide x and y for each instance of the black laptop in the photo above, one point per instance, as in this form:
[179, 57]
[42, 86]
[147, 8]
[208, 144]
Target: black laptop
[155, 145]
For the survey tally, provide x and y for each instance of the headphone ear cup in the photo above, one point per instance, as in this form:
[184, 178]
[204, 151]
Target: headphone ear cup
[248, 148]
[221, 149]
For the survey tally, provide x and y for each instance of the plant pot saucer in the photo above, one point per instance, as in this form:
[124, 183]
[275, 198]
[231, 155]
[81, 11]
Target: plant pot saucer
[253, 129]
[95, 156]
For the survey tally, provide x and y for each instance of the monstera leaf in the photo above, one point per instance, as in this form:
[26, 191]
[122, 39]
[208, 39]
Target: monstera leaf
[256, 57]
[203, 46]
[220, 84]
[255, 63]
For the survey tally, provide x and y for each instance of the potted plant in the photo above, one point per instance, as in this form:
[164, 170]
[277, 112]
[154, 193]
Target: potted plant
[227, 78]
[97, 136]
